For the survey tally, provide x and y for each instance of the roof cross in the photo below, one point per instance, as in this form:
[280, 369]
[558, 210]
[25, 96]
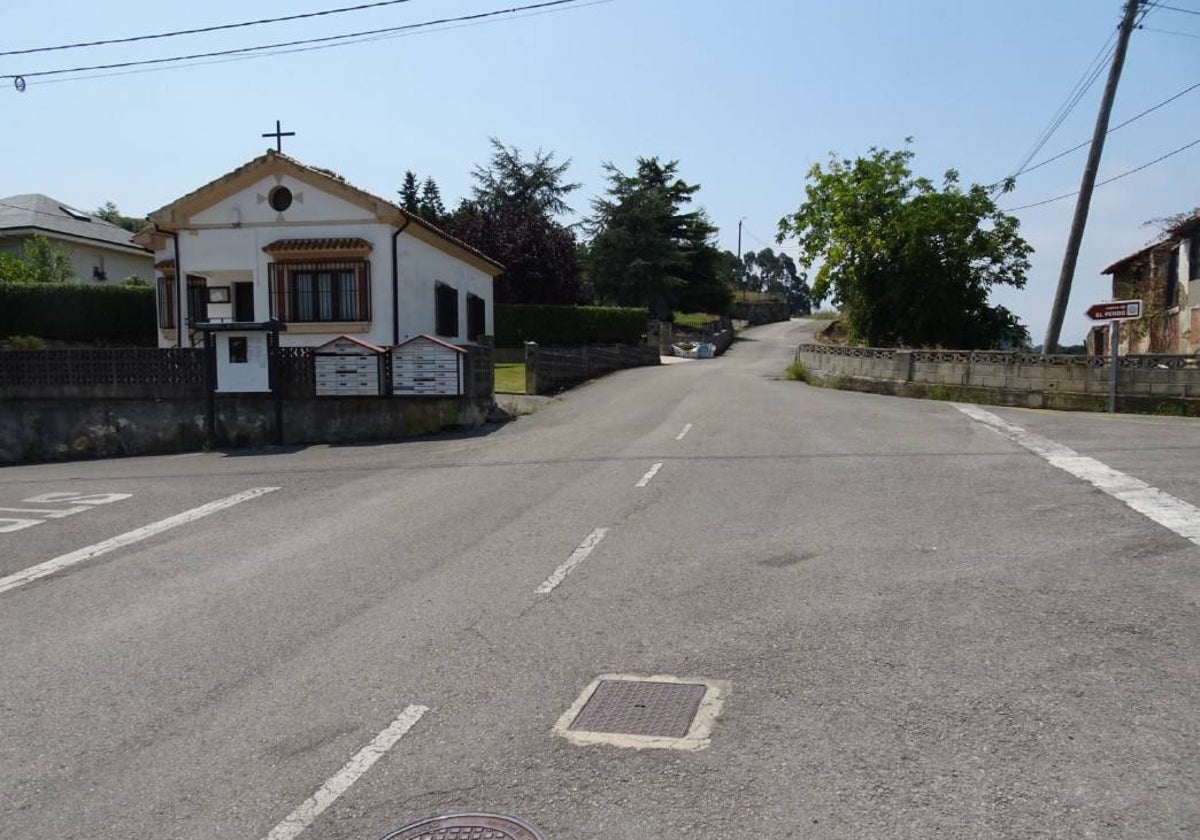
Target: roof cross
[279, 134]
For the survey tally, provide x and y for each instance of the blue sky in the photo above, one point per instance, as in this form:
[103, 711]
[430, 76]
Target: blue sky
[747, 96]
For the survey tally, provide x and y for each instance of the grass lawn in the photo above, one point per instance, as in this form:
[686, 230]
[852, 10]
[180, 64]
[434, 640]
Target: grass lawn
[510, 377]
[693, 320]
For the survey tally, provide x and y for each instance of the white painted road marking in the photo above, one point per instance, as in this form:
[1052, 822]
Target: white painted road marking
[80, 498]
[41, 570]
[577, 556]
[646, 478]
[9, 524]
[1154, 504]
[308, 810]
[683, 434]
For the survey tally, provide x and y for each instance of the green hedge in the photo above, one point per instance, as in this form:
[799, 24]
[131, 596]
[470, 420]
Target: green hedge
[567, 326]
[79, 312]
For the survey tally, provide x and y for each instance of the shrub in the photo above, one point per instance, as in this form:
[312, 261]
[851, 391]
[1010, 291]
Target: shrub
[79, 312]
[567, 326]
[23, 342]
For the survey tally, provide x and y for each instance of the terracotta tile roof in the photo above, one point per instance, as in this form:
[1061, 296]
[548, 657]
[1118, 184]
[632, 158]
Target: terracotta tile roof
[339, 243]
[1140, 254]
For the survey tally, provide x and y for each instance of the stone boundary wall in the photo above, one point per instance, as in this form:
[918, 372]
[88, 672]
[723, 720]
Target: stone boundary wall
[549, 370]
[47, 429]
[1145, 383]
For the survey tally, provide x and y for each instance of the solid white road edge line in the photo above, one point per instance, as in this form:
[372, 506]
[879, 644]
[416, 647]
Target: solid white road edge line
[41, 570]
[577, 556]
[1154, 504]
[646, 478]
[308, 810]
[683, 434]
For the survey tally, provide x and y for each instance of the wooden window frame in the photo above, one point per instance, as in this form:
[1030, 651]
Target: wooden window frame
[283, 276]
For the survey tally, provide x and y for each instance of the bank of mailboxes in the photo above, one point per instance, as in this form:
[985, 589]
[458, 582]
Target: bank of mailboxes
[421, 366]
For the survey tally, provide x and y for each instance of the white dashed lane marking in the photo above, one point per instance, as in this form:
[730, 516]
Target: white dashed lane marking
[1154, 504]
[649, 475]
[577, 556]
[683, 434]
[308, 810]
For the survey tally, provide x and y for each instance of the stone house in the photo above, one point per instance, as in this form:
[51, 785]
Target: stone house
[1165, 276]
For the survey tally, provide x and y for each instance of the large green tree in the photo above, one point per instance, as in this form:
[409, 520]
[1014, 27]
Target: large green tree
[907, 262]
[410, 192]
[511, 217]
[112, 215]
[776, 274]
[649, 248]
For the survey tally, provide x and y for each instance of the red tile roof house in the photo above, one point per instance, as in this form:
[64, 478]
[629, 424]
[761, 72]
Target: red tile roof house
[277, 239]
[1165, 276]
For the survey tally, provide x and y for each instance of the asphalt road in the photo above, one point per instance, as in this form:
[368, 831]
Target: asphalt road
[928, 630]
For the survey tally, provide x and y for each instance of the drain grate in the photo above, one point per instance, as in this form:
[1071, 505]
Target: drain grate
[468, 827]
[640, 707]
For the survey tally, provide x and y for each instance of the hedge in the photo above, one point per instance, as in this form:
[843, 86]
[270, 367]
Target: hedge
[568, 326]
[79, 312]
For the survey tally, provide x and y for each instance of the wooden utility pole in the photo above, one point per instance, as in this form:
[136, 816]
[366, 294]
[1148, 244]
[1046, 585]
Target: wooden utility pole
[1083, 203]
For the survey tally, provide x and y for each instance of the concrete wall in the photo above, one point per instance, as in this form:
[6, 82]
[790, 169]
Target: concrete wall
[1020, 379]
[34, 430]
[552, 369]
[759, 312]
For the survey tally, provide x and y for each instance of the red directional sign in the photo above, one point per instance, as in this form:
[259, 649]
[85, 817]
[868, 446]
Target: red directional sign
[1115, 310]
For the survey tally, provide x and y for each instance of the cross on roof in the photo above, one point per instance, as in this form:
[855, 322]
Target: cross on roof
[279, 134]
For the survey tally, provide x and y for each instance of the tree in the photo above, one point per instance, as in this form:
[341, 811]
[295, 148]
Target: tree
[537, 185]
[510, 217]
[109, 213]
[906, 262]
[410, 193]
[41, 261]
[648, 250]
[776, 274]
[431, 207]
[540, 256]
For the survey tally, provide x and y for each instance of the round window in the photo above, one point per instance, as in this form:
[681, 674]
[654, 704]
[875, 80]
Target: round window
[280, 199]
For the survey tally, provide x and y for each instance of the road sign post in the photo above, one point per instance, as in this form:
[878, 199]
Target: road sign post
[1114, 364]
[1114, 311]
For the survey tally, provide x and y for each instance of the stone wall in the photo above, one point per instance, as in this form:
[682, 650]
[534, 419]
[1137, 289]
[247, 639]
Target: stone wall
[1031, 380]
[49, 429]
[756, 313]
[549, 370]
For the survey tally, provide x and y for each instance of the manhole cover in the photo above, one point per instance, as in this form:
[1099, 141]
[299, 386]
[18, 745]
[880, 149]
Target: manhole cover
[468, 827]
[639, 707]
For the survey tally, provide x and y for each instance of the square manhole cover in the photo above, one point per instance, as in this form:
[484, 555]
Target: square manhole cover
[639, 707]
[663, 712]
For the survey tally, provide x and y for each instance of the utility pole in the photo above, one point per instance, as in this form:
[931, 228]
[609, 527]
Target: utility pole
[1083, 203]
[741, 264]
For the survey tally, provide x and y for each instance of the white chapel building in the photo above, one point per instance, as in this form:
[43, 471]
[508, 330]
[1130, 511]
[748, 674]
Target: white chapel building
[278, 240]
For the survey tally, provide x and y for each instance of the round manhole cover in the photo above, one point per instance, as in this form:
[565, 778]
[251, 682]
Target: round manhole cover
[468, 827]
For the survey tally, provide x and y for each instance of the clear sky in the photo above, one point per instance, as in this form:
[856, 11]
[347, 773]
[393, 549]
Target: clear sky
[747, 96]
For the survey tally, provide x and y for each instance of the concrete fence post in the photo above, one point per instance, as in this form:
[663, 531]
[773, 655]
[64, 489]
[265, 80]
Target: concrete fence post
[531, 363]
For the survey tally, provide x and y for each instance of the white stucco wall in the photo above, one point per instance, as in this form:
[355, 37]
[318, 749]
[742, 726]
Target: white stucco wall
[226, 241]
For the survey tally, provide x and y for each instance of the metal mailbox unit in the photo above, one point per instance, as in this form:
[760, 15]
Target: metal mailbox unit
[427, 366]
[348, 367]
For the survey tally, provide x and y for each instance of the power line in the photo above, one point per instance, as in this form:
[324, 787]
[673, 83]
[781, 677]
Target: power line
[325, 39]
[1175, 9]
[1124, 174]
[1093, 72]
[202, 29]
[1132, 119]
[1171, 32]
[268, 53]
